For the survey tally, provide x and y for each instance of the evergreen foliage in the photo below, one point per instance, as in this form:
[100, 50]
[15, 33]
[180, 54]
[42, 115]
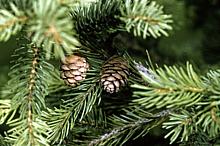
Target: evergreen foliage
[38, 109]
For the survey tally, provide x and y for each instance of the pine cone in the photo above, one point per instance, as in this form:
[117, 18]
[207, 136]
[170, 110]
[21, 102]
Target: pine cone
[114, 74]
[74, 69]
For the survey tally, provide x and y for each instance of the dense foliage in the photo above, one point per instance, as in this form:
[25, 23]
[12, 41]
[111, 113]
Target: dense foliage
[37, 108]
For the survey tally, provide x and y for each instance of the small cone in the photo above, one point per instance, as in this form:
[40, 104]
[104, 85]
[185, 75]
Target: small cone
[114, 74]
[73, 69]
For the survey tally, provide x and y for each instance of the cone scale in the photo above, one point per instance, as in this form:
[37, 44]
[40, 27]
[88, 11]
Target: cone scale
[114, 74]
[73, 69]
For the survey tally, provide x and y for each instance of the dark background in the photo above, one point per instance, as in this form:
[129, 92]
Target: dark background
[195, 37]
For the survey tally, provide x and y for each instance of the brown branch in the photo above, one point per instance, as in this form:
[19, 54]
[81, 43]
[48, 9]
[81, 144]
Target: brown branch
[52, 31]
[214, 116]
[119, 130]
[187, 89]
[30, 95]
[145, 18]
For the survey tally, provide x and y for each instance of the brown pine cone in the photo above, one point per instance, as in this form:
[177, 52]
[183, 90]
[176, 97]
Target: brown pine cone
[114, 74]
[73, 69]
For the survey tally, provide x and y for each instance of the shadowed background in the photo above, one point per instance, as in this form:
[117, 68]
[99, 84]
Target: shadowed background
[195, 38]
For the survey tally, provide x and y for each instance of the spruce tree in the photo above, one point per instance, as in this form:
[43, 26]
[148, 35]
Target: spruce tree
[72, 83]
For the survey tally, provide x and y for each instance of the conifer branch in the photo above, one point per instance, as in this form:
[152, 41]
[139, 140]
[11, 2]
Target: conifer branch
[11, 22]
[133, 123]
[118, 131]
[52, 28]
[83, 98]
[31, 84]
[27, 93]
[97, 22]
[76, 3]
[189, 103]
[63, 119]
[3, 141]
[86, 130]
[215, 117]
[48, 24]
[59, 122]
[145, 18]
[72, 104]
[22, 5]
[194, 97]
[171, 87]
[5, 108]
